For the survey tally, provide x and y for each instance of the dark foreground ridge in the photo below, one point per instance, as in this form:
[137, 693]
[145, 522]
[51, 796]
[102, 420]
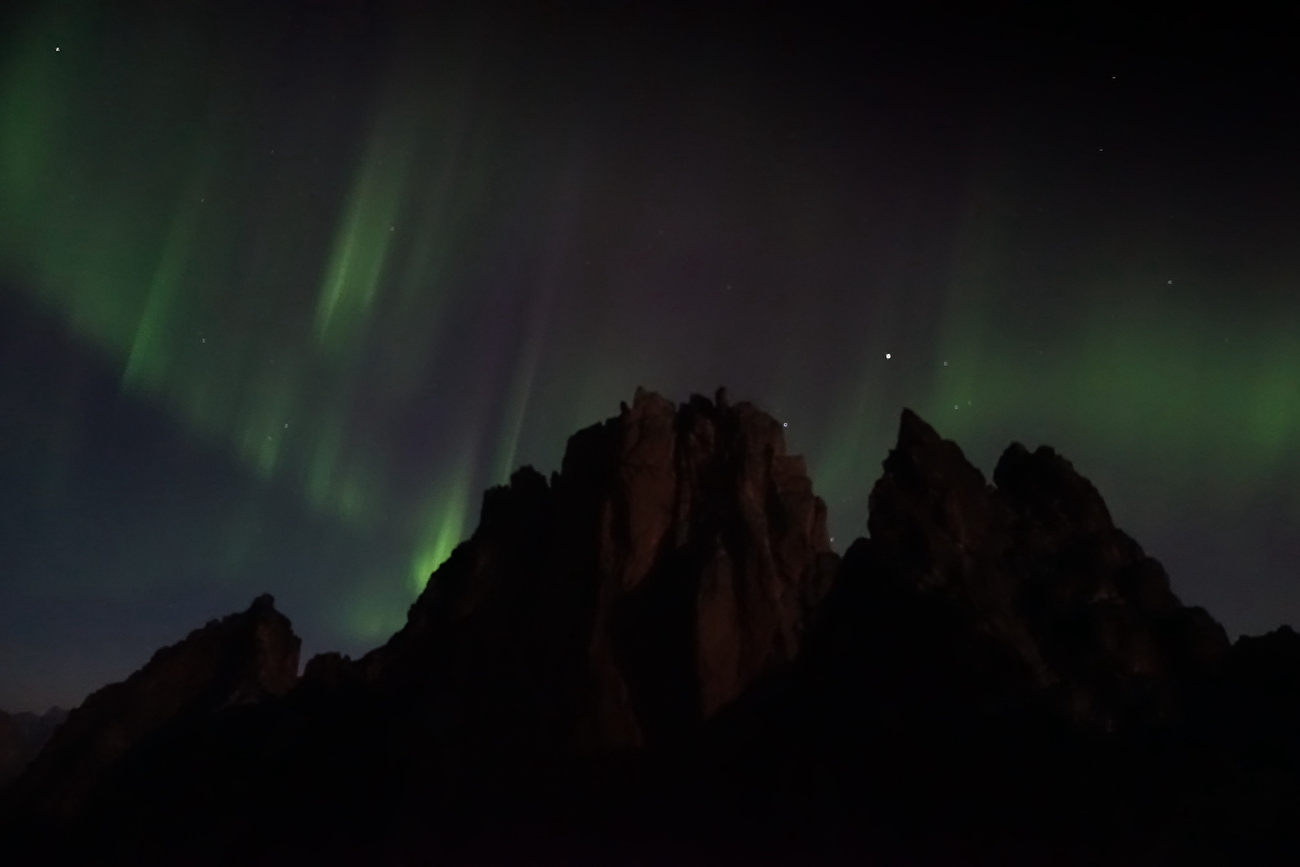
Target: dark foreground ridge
[654, 657]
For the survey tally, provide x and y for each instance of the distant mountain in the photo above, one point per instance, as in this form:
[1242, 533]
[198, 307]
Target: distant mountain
[655, 655]
[98, 479]
[21, 737]
[241, 659]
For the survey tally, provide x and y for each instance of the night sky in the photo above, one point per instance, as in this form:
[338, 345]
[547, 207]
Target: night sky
[283, 290]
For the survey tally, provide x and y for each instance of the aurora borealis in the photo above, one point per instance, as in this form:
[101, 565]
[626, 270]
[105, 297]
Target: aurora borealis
[318, 274]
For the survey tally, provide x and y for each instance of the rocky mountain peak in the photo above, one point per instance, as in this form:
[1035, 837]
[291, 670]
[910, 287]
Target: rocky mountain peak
[673, 558]
[1045, 484]
[240, 659]
[1035, 565]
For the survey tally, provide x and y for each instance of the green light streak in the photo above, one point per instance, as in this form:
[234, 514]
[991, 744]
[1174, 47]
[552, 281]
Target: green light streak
[148, 359]
[288, 320]
[373, 617]
[445, 525]
[356, 263]
[33, 94]
[517, 407]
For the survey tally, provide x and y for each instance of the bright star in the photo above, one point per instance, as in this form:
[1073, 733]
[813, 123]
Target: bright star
[886, 356]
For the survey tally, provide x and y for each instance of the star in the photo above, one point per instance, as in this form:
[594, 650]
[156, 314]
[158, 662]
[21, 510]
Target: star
[785, 424]
[886, 356]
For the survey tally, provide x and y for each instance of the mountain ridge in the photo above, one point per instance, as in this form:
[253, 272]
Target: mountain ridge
[657, 645]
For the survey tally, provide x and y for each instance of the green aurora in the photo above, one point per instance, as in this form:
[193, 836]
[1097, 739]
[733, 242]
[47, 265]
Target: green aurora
[385, 291]
[147, 238]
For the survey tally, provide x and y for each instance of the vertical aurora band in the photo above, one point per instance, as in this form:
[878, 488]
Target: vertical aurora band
[305, 363]
[359, 309]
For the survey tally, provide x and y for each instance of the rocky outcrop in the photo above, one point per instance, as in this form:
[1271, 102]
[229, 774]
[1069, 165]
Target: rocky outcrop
[673, 558]
[1032, 571]
[241, 659]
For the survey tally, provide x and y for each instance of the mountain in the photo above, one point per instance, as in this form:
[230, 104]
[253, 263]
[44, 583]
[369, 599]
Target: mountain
[654, 654]
[1045, 596]
[673, 559]
[21, 737]
[241, 659]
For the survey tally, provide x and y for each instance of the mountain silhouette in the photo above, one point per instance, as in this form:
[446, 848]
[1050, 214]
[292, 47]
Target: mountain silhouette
[654, 655]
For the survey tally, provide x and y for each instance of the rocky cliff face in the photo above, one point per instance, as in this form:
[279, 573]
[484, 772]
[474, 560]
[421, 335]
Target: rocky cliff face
[673, 559]
[240, 659]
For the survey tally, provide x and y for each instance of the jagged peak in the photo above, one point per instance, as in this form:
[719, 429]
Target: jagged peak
[677, 541]
[1048, 484]
[921, 458]
[914, 430]
[240, 659]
